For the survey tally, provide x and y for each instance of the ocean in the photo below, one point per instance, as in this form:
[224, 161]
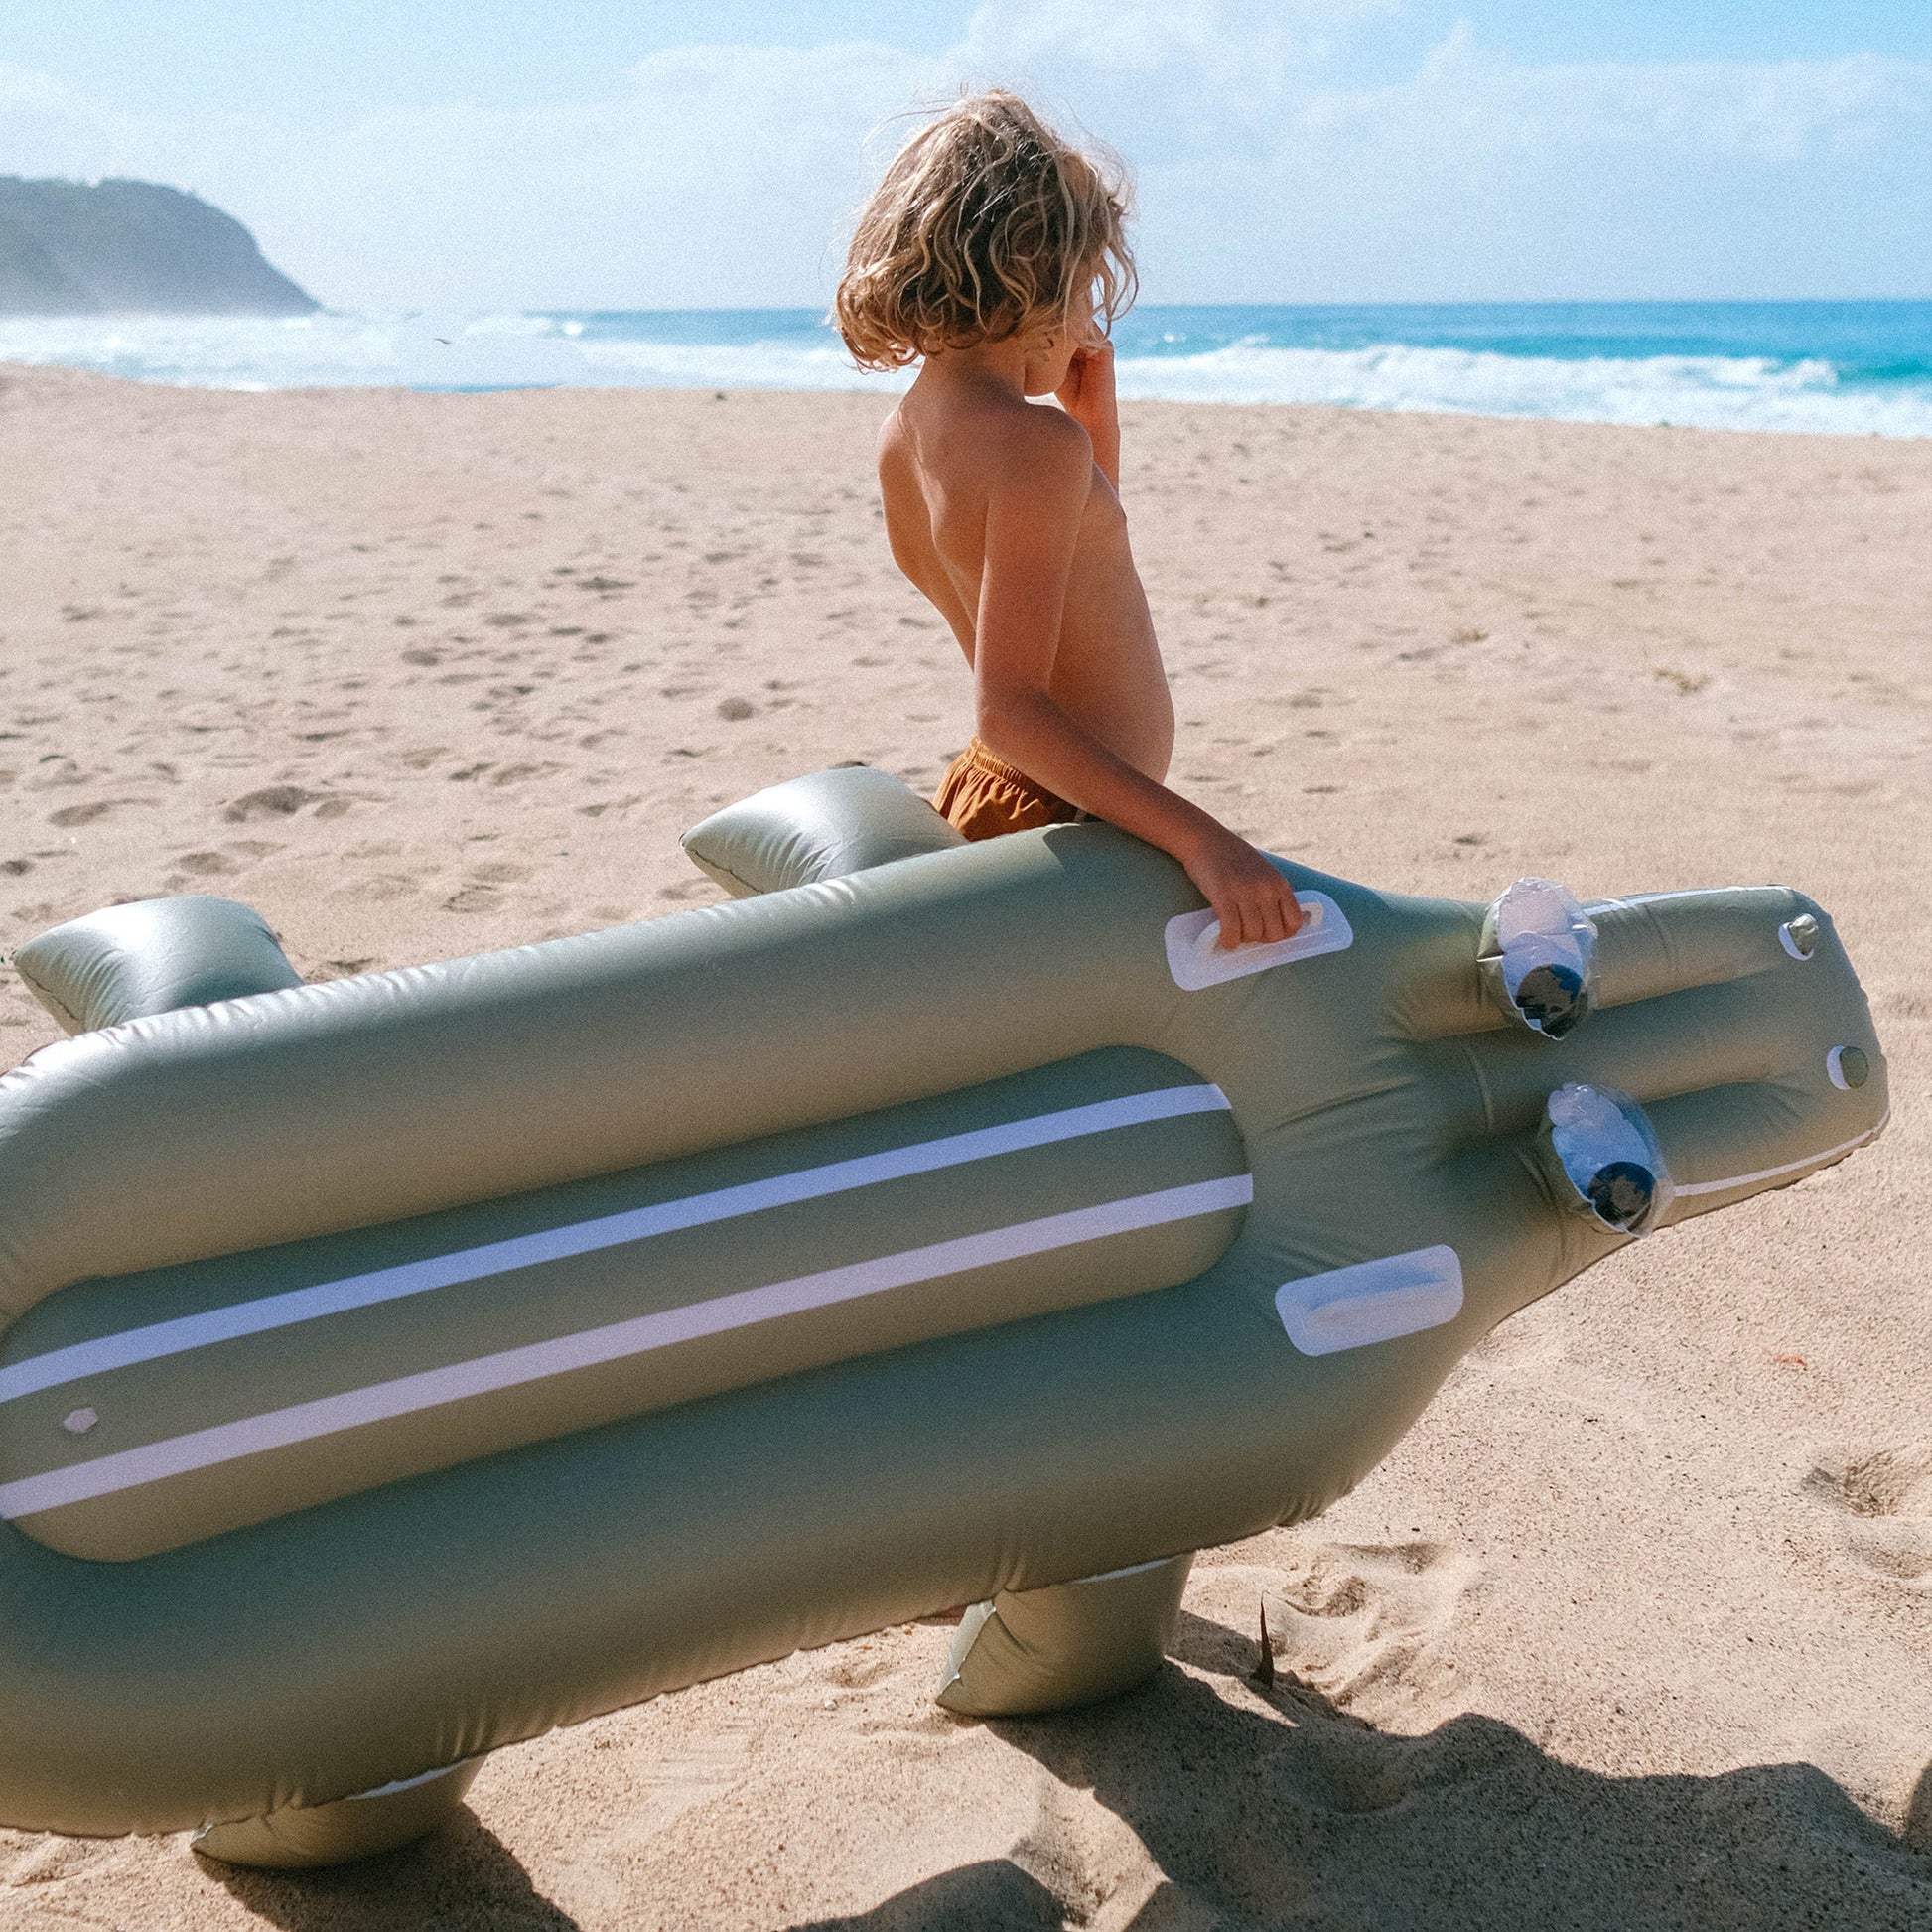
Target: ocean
[1848, 368]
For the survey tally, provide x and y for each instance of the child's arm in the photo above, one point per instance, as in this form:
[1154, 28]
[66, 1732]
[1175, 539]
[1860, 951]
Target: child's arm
[1033, 518]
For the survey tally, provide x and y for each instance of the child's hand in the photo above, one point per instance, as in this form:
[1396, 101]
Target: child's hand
[1087, 395]
[1251, 901]
[1088, 390]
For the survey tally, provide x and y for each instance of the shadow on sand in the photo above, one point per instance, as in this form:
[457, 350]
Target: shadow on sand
[1295, 1817]
[1300, 1815]
[462, 1879]
[994, 1895]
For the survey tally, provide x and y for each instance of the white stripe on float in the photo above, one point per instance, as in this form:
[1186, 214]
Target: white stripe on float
[146, 1344]
[200, 1448]
[1108, 1576]
[395, 1785]
[1627, 901]
[1772, 1174]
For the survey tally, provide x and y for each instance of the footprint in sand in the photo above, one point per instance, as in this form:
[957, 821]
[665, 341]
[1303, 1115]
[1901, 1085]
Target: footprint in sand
[1364, 1625]
[49, 1861]
[272, 801]
[1879, 1766]
[56, 769]
[231, 858]
[1089, 1862]
[1887, 1495]
[339, 969]
[649, 1788]
[72, 815]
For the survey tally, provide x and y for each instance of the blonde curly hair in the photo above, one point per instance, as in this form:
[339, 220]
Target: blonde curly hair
[986, 223]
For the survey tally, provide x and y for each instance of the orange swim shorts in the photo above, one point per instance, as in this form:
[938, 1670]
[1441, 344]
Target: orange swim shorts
[982, 796]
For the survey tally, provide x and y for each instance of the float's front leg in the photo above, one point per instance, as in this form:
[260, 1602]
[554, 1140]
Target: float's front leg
[1032, 1650]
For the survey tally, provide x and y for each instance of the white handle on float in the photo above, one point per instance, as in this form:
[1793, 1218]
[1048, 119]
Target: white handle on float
[1197, 959]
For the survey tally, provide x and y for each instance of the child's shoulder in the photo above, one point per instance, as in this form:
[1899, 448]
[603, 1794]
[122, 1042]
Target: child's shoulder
[1021, 445]
[1042, 456]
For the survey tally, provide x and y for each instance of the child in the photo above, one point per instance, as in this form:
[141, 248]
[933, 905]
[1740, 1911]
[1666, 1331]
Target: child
[992, 254]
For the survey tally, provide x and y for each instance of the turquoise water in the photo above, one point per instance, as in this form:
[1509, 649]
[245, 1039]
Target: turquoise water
[1865, 341]
[1875, 344]
[1844, 367]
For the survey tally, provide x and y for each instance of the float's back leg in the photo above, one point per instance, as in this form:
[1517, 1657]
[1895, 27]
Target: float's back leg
[300, 1836]
[155, 955]
[826, 825]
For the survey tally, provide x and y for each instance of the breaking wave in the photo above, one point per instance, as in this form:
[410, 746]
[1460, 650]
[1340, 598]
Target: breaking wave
[1807, 392]
[1696, 391]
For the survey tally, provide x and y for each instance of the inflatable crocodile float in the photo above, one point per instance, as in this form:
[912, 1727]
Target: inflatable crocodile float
[399, 1367]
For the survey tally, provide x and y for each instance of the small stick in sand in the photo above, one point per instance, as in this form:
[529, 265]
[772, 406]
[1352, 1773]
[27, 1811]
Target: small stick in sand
[1264, 1670]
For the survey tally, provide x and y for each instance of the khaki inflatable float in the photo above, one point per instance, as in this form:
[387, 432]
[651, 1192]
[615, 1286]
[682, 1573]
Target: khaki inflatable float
[399, 1367]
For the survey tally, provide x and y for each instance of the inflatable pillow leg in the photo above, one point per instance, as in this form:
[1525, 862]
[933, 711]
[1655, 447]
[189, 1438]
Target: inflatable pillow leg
[300, 1837]
[825, 825]
[156, 955]
[1029, 1651]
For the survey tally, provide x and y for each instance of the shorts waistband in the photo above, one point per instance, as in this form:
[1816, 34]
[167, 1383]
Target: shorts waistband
[981, 758]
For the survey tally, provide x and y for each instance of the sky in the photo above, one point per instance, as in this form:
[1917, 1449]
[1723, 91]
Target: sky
[475, 155]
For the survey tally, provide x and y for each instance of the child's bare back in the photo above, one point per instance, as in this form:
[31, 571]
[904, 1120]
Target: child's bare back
[988, 255]
[942, 455]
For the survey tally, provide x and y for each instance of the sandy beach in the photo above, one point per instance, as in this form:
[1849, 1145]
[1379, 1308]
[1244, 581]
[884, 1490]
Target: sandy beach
[1633, 1630]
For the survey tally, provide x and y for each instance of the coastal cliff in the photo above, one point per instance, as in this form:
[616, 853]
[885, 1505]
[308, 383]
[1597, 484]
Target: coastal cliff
[70, 249]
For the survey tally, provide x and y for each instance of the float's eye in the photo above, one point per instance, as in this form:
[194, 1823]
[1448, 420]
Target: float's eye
[1620, 1194]
[1848, 1067]
[1799, 936]
[1608, 1158]
[1537, 957]
[1551, 999]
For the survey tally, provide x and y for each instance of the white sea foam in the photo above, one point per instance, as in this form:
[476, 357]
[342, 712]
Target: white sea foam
[730, 365]
[1697, 391]
[335, 352]
[517, 351]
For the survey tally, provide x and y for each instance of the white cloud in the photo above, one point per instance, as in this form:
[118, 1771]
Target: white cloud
[1243, 45]
[1484, 177]
[715, 174]
[720, 175]
[708, 175]
[1774, 111]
